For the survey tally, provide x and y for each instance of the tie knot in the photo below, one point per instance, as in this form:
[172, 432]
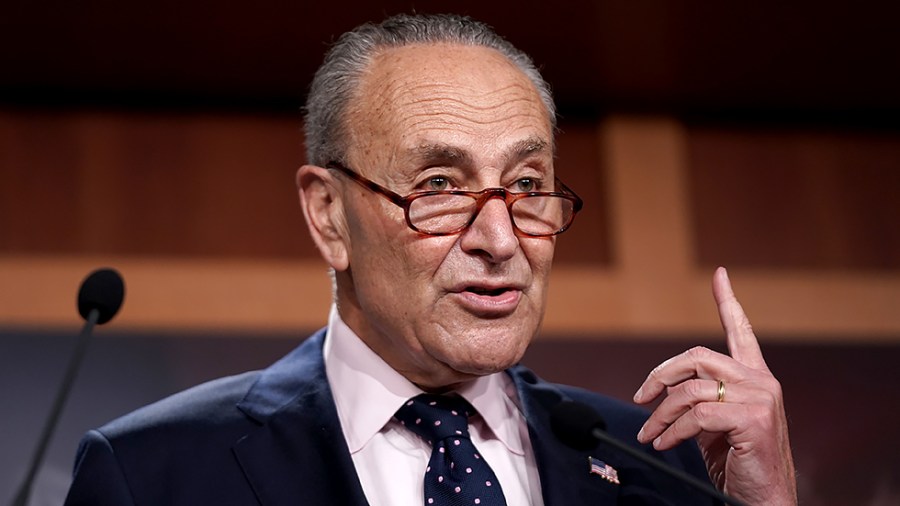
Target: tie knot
[436, 417]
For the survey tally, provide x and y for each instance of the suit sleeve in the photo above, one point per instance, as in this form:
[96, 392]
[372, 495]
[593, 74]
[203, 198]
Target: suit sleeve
[98, 479]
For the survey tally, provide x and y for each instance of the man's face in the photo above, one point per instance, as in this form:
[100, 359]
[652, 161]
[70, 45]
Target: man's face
[442, 310]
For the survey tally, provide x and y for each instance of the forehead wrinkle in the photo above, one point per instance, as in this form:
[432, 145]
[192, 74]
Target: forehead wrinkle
[445, 98]
[423, 130]
[440, 152]
[466, 114]
[458, 112]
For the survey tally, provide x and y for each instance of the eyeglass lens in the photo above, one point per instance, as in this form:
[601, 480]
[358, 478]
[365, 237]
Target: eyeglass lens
[538, 215]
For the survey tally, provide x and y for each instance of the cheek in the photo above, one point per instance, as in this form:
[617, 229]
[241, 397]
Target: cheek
[373, 232]
[396, 265]
[539, 252]
[422, 263]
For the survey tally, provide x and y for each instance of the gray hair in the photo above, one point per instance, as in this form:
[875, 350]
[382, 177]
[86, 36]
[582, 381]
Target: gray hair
[337, 79]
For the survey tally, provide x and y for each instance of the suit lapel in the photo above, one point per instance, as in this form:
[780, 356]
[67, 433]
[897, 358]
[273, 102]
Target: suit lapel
[565, 473]
[297, 453]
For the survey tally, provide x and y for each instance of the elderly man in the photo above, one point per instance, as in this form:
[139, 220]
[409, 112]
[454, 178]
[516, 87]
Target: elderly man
[431, 194]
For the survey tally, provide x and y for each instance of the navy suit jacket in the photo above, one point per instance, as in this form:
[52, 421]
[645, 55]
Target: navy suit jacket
[273, 438]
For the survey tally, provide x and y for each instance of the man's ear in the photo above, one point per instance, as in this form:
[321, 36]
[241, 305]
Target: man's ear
[324, 213]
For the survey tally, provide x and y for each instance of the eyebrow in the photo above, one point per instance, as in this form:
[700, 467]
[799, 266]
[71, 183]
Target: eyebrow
[443, 154]
[527, 147]
[439, 153]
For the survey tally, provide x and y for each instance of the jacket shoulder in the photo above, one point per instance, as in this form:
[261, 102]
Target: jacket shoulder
[202, 407]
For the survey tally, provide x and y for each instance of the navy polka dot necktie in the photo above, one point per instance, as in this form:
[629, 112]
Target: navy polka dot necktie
[456, 474]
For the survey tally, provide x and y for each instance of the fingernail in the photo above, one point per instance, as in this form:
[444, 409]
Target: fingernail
[657, 442]
[640, 436]
[638, 394]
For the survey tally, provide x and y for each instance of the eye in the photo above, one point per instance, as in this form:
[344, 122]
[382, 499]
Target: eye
[526, 184]
[436, 183]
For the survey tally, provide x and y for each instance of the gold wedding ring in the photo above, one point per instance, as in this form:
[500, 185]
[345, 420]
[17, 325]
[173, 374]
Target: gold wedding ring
[720, 393]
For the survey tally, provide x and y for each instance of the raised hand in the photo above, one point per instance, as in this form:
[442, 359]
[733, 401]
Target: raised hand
[733, 405]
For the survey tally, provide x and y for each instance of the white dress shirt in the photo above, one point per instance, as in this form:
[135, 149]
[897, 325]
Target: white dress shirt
[390, 460]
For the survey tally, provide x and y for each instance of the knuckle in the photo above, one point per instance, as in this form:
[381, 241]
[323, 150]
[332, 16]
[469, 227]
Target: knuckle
[775, 387]
[699, 354]
[763, 419]
[704, 410]
[744, 324]
[772, 388]
[693, 388]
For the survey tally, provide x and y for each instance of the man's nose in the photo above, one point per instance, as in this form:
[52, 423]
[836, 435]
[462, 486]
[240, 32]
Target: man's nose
[492, 233]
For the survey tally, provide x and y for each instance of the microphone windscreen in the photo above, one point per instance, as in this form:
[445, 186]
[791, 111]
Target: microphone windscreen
[103, 290]
[574, 424]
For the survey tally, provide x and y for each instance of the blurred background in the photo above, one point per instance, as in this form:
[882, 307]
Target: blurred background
[162, 138]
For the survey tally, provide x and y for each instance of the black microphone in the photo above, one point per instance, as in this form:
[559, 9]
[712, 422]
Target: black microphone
[580, 427]
[99, 299]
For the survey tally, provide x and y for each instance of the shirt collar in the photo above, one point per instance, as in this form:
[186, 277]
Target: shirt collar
[367, 391]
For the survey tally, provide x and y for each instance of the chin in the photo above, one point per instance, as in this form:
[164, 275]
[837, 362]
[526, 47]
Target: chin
[484, 362]
[483, 348]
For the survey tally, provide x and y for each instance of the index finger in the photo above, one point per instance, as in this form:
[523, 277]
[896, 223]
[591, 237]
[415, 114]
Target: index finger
[742, 343]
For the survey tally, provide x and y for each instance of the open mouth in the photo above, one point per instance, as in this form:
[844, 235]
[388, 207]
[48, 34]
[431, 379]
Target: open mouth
[490, 292]
[489, 298]
[489, 302]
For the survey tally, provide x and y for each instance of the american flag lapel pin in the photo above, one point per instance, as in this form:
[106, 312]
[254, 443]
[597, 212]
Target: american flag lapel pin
[603, 470]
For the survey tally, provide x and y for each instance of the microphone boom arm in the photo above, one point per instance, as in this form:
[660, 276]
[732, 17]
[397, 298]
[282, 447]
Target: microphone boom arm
[56, 409]
[678, 474]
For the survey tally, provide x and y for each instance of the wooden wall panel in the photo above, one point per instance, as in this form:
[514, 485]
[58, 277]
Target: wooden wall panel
[210, 185]
[797, 199]
[579, 164]
[39, 182]
[200, 213]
